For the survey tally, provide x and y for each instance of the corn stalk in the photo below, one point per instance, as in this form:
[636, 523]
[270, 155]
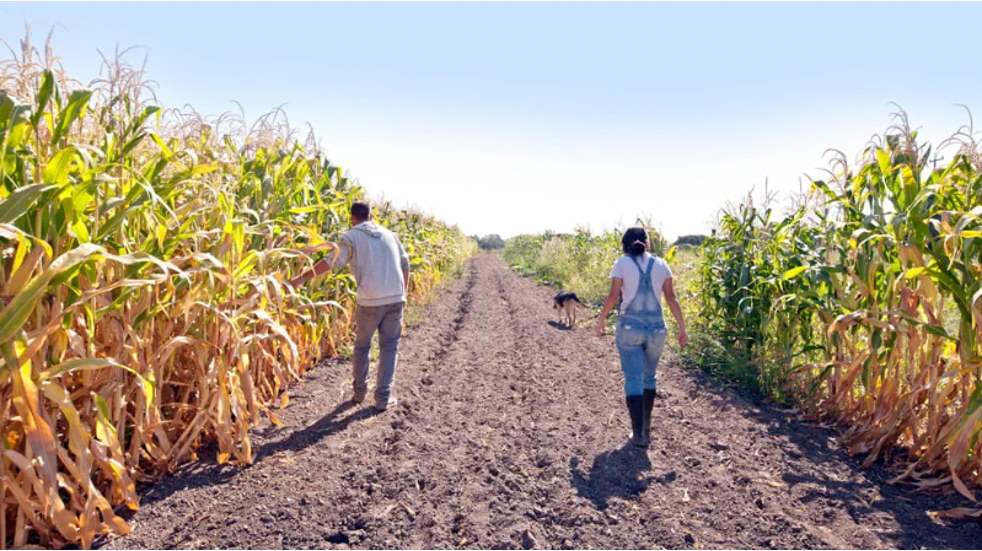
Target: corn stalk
[863, 305]
[131, 240]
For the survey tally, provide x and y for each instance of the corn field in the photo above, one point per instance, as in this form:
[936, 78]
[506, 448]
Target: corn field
[580, 261]
[144, 309]
[863, 305]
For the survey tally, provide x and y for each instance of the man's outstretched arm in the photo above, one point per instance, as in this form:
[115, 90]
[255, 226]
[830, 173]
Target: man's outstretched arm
[339, 257]
[320, 268]
[327, 245]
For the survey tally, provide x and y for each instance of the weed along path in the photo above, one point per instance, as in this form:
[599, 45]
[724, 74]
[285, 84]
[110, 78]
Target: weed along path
[509, 433]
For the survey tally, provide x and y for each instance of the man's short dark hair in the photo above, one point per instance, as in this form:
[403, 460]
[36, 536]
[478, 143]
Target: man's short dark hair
[361, 210]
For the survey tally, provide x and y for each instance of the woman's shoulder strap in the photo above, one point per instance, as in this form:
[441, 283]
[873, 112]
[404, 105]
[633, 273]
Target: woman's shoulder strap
[651, 265]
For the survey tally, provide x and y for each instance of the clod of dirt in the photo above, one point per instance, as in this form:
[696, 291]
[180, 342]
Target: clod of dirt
[338, 538]
[528, 540]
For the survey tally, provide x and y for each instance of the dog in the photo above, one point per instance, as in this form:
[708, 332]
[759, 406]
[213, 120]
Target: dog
[565, 303]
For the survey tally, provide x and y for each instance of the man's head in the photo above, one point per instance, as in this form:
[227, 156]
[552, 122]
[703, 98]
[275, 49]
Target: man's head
[360, 212]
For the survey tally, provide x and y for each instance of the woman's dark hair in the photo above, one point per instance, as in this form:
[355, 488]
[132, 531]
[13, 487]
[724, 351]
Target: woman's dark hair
[635, 241]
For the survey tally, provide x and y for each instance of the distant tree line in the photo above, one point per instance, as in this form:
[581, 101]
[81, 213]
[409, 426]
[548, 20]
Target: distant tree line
[693, 240]
[490, 242]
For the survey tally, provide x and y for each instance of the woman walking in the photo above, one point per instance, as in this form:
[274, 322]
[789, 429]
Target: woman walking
[639, 279]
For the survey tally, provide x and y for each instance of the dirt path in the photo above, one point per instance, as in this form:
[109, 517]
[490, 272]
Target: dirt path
[509, 433]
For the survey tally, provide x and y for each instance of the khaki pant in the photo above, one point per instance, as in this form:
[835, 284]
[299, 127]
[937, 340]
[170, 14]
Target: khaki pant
[387, 319]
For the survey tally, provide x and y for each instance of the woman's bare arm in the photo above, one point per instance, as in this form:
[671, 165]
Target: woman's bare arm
[615, 292]
[668, 289]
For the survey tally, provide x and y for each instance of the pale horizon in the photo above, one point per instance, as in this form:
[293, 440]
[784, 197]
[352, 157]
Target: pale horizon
[522, 118]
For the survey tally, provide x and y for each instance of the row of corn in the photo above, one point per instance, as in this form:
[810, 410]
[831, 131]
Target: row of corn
[144, 309]
[863, 305]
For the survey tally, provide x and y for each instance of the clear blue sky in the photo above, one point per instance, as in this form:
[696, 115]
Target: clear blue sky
[524, 117]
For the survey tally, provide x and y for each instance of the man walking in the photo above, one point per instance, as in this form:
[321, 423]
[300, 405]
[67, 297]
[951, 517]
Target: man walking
[381, 269]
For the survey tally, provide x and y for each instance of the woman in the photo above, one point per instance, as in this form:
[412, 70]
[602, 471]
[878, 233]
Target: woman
[639, 279]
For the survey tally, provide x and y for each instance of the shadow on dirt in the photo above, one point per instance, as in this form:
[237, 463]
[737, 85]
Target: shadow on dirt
[202, 474]
[864, 497]
[617, 473]
[324, 427]
[556, 325]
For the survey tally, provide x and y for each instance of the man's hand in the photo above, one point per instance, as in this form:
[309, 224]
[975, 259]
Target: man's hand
[311, 249]
[598, 330]
[683, 338]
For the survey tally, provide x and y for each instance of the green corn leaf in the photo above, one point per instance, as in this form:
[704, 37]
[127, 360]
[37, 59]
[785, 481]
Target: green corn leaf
[20, 201]
[44, 96]
[7, 106]
[75, 109]
[104, 428]
[59, 167]
[670, 253]
[246, 265]
[915, 272]
[164, 149]
[793, 273]
[16, 313]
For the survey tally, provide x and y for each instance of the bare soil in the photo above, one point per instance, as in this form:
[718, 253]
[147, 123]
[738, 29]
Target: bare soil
[510, 433]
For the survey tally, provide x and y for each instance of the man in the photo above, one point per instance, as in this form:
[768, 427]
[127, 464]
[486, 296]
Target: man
[381, 269]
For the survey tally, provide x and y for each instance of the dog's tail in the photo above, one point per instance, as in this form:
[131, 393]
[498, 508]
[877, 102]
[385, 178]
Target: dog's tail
[576, 299]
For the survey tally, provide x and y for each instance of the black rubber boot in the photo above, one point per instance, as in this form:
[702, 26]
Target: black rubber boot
[648, 399]
[635, 407]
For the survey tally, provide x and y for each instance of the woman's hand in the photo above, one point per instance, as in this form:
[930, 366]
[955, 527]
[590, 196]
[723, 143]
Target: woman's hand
[673, 304]
[609, 302]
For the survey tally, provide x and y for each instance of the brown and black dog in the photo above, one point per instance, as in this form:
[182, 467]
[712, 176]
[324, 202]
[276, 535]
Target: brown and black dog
[565, 303]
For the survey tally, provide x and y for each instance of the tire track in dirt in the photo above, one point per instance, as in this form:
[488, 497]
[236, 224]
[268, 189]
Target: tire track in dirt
[509, 433]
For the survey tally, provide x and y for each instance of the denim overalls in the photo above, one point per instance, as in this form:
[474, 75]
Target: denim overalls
[641, 336]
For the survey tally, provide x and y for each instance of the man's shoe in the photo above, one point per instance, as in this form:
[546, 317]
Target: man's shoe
[381, 406]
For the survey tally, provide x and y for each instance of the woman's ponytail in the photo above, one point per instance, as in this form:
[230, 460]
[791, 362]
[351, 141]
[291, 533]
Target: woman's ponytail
[635, 241]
